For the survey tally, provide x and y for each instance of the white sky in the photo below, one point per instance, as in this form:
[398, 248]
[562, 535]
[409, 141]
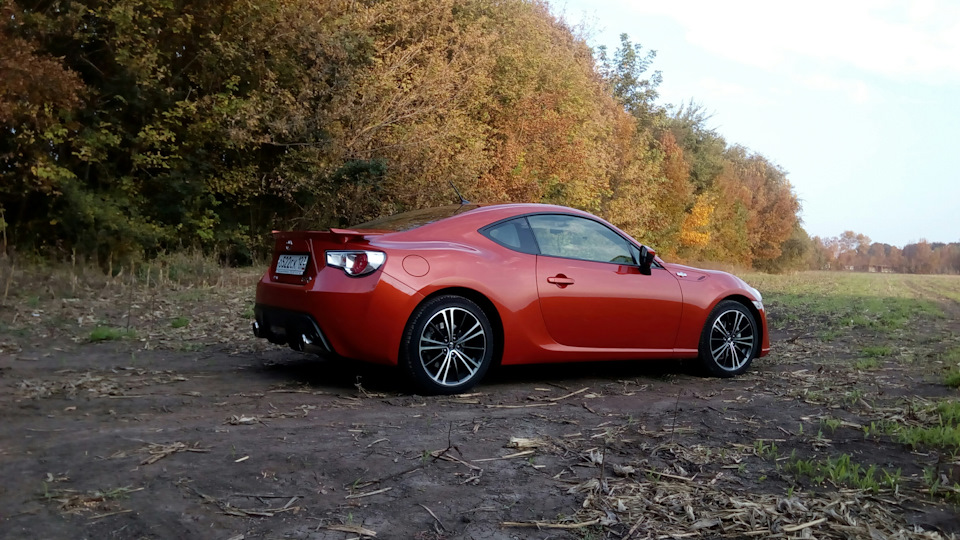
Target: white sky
[858, 100]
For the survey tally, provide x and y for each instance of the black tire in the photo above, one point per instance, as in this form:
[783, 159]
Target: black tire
[447, 346]
[730, 340]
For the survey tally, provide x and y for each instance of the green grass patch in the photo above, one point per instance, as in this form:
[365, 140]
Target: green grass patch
[866, 364]
[830, 423]
[952, 379]
[180, 322]
[109, 333]
[831, 334]
[843, 470]
[766, 450]
[942, 429]
[940, 436]
[949, 412]
[876, 351]
[192, 295]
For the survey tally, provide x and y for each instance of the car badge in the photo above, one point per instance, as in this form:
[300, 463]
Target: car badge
[289, 244]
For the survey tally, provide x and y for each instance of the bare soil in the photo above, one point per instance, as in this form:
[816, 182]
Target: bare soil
[204, 432]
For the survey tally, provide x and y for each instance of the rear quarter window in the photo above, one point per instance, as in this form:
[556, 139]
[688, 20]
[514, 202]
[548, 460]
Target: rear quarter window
[514, 234]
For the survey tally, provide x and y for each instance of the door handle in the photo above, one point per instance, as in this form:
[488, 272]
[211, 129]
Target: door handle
[560, 280]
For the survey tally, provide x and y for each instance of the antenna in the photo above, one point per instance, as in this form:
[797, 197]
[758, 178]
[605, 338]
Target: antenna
[462, 200]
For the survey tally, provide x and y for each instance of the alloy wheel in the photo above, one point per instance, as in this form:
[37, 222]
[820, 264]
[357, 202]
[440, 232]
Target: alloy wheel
[452, 346]
[732, 340]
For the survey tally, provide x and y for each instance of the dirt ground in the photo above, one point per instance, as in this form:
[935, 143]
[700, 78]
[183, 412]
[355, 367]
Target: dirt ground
[194, 429]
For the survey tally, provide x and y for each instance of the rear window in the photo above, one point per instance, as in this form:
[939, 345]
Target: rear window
[415, 218]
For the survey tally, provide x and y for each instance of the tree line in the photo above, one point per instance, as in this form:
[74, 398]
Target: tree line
[135, 126]
[853, 251]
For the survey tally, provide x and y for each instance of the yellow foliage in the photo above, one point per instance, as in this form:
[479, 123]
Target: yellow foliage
[695, 230]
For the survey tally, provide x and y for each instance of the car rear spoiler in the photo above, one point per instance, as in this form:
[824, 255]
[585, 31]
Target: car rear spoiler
[339, 236]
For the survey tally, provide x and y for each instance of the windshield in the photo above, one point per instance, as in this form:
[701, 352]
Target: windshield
[415, 218]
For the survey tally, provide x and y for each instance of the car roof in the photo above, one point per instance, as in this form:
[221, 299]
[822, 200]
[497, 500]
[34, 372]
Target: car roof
[473, 215]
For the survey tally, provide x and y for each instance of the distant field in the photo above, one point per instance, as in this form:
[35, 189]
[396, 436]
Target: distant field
[834, 301]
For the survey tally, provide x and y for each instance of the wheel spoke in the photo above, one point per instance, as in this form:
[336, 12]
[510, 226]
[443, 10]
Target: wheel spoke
[441, 376]
[448, 321]
[734, 360]
[477, 330]
[719, 327]
[471, 364]
[736, 328]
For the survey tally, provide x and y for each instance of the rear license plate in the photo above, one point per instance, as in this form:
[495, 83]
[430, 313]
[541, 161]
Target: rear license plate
[294, 265]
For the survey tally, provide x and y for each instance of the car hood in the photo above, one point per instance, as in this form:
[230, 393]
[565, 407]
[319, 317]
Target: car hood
[700, 275]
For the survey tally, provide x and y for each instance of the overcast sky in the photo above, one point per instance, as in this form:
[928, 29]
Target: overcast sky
[858, 100]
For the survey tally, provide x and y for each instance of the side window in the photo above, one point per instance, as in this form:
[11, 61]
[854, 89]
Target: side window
[579, 238]
[514, 234]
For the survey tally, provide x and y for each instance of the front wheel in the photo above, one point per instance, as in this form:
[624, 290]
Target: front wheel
[447, 346]
[730, 340]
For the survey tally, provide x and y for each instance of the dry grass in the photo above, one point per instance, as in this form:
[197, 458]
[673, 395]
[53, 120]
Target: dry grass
[177, 302]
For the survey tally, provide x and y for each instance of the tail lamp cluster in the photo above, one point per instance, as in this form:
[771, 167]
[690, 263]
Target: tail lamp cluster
[356, 263]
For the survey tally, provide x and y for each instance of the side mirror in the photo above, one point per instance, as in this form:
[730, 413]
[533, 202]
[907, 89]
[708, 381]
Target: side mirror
[646, 259]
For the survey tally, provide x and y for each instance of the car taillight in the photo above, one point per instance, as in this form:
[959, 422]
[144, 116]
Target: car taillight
[356, 263]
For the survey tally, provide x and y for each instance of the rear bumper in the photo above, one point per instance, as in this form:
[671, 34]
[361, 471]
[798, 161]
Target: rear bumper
[286, 327]
[358, 318]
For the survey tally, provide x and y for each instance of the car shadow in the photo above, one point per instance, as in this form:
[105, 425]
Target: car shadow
[331, 374]
[338, 374]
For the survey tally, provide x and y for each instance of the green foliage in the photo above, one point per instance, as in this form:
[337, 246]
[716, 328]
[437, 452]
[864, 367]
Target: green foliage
[624, 73]
[180, 322]
[952, 378]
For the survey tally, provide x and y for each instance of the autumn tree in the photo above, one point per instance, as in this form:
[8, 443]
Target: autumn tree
[136, 126]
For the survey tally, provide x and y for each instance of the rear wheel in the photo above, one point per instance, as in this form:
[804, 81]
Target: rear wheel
[447, 346]
[730, 340]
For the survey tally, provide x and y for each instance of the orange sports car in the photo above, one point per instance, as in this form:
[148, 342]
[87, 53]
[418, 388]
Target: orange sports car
[444, 293]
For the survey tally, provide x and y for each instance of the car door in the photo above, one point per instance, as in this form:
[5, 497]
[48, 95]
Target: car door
[592, 293]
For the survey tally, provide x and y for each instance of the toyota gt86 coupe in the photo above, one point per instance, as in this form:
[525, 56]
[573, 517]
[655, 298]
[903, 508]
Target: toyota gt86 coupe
[444, 293]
